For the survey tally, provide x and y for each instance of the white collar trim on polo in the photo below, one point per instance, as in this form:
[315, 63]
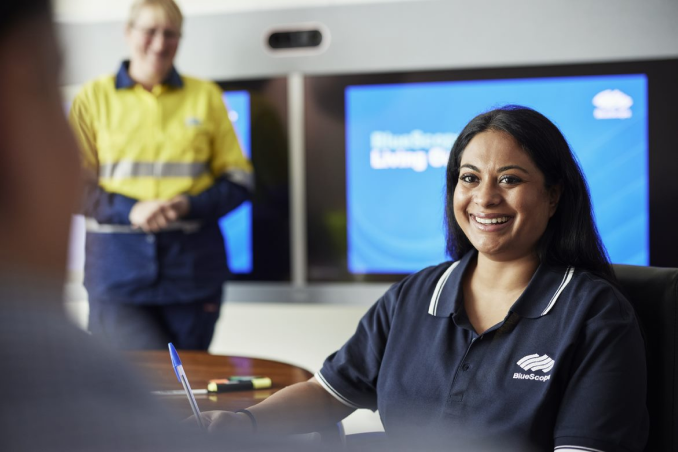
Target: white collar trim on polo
[433, 305]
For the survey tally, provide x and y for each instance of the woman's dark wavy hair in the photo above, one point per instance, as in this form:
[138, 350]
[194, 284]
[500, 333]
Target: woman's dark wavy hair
[571, 236]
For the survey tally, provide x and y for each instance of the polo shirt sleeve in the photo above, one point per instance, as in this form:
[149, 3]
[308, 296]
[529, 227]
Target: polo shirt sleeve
[234, 181]
[351, 374]
[215, 202]
[82, 123]
[603, 407]
[97, 203]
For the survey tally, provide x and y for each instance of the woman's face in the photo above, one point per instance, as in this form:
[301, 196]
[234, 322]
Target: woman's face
[153, 41]
[500, 201]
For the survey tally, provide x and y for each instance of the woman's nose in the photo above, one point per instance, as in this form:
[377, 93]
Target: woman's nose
[158, 41]
[487, 194]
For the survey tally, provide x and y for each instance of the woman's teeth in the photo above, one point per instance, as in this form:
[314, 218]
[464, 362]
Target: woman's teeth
[498, 220]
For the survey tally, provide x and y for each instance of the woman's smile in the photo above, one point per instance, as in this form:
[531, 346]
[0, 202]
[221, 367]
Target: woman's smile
[490, 223]
[501, 201]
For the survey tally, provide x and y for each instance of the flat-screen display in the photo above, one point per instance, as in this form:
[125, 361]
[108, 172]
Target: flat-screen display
[236, 226]
[256, 234]
[390, 135]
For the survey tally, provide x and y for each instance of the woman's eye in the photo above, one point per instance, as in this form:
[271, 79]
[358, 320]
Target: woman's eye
[468, 178]
[510, 180]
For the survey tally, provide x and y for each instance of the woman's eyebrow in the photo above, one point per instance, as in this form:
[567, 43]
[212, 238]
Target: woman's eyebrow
[510, 167]
[500, 170]
[468, 165]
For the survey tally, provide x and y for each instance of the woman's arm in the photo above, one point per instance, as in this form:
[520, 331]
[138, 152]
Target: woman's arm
[300, 408]
[604, 404]
[216, 201]
[351, 373]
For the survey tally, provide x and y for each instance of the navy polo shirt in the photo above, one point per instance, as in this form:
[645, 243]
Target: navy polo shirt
[564, 370]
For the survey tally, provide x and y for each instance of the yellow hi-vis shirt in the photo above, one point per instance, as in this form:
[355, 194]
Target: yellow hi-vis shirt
[175, 139]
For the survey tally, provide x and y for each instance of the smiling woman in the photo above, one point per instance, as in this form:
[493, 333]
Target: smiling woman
[501, 202]
[505, 177]
[570, 237]
[162, 164]
[152, 34]
[523, 339]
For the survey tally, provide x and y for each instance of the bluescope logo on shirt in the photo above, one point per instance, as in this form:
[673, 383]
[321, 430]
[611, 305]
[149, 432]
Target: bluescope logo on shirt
[192, 121]
[535, 363]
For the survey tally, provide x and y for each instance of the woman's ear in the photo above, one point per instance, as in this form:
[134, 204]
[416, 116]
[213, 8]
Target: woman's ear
[554, 197]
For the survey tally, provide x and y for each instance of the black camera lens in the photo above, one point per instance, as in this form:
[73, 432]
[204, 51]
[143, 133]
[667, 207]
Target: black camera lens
[295, 39]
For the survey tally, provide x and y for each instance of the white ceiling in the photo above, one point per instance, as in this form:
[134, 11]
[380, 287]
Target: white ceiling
[115, 10]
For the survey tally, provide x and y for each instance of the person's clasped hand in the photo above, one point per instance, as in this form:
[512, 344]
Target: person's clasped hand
[155, 215]
[180, 205]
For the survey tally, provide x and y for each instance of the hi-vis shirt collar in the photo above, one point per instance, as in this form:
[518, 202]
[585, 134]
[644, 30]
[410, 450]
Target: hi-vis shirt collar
[123, 80]
[537, 300]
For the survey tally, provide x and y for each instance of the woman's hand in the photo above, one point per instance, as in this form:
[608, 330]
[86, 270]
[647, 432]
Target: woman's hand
[180, 205]
[155, 215]
[151, 216]
[225, 421]
[300, 408]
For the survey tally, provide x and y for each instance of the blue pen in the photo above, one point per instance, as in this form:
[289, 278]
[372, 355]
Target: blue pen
[181, 376]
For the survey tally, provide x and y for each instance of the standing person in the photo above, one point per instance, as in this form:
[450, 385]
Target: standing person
[523, 339]
[163, 164]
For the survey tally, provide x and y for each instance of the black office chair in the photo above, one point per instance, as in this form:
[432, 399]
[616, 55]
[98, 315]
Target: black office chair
[653, 292]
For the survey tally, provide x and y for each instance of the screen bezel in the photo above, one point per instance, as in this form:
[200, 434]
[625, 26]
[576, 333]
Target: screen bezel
[326, 154]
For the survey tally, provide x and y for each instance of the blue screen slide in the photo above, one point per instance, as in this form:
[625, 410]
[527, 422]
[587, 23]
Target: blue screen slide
[398, 138]
[236, 226]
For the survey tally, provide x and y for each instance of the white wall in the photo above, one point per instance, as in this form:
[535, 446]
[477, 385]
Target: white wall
[406, 35]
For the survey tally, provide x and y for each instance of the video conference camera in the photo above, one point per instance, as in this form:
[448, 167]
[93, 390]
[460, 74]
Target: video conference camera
[295, 39]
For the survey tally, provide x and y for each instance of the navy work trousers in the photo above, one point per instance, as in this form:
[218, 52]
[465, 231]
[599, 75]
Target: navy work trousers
[189, 326]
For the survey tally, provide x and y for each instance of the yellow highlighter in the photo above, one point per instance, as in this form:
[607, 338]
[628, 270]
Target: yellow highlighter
[229, 385]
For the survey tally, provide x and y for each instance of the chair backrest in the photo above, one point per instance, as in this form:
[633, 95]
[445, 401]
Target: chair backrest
[653, 291]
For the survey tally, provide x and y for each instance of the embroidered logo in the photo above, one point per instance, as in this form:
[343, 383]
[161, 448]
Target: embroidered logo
[535, 363]
[192, 121]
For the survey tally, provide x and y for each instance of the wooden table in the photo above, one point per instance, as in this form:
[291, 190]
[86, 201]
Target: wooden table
[201, 367]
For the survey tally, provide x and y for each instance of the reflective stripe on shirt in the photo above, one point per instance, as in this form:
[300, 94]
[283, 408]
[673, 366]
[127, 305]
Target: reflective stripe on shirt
[126, 168]
[92, 225]
[240, 177]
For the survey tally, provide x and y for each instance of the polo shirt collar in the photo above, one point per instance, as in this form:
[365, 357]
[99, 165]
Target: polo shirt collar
[123, 79]
[537, 300]
[448, 296]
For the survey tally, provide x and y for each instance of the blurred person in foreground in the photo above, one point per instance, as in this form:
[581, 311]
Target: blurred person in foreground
[163, 165]
[60, 388]
[522, 342]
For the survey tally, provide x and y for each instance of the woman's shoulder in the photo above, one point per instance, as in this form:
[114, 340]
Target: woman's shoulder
[97, 87]
[198, 84]
[598, 295]
[413, 293]
[422, 284]
[431, 274]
